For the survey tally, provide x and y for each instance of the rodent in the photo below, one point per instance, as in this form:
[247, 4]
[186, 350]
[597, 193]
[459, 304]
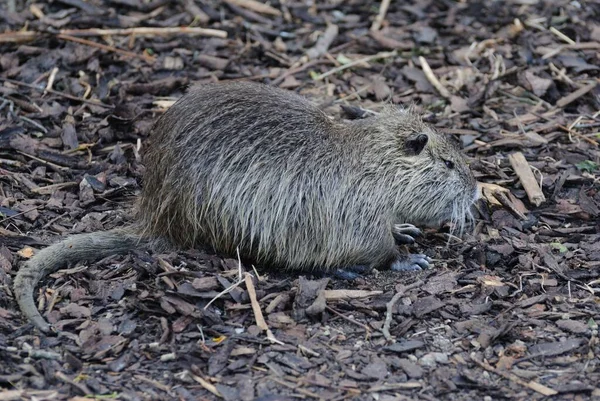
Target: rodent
[249, 167]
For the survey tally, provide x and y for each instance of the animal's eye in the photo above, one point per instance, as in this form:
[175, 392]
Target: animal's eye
[449, 164]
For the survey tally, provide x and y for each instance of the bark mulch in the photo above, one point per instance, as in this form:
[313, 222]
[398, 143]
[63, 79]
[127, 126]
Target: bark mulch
[510, 310]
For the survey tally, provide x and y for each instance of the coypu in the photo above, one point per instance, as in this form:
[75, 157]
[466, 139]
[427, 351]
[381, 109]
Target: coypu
[249, 167]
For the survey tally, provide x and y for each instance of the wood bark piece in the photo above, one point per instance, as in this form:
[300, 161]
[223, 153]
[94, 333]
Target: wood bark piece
[530, 184]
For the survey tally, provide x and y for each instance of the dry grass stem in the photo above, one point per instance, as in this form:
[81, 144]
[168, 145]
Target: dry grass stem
[354, 63]
[111, 49]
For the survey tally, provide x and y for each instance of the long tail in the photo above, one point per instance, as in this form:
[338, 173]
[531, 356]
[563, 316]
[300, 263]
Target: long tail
[90, 247]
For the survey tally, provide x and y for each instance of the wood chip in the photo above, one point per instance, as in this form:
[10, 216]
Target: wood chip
[525, 174]
[258, 316]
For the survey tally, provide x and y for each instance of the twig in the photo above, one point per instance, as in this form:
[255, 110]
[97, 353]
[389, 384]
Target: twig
[523, 171]
[19, 214]
[113, 49]
[381, 15]
[53, 165]
[225, 291]
[146, 31]
[51, 79]
[432, 78]
[295, 388]
[255, 6]
[390, 308]
[535, 386]
[563, 101]
[336, 295]
[323, 43]
[577, 134]
[258, 316]
[377, 56]
[18, 37]
[359, 324]
[55, 92]
[562, 35]
[207, 386]
[48, 189]
[293, 71]
[388, 316]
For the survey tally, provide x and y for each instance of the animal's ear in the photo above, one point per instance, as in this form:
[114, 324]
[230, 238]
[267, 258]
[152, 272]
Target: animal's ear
[415, 143]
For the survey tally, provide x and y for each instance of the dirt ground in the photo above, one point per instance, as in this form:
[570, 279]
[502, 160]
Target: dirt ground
[510, 310]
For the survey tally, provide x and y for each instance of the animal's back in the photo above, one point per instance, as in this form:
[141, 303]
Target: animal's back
[250, 166]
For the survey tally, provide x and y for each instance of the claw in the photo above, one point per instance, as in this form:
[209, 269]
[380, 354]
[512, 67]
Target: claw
[405, 234]
[412, 262]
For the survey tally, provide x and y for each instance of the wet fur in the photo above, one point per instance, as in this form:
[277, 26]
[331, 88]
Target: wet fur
[248, 167]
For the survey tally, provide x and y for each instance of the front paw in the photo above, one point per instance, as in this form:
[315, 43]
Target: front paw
[411, 263]
[404, 234]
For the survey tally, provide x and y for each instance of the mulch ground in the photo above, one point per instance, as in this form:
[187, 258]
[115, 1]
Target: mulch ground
[510, 310]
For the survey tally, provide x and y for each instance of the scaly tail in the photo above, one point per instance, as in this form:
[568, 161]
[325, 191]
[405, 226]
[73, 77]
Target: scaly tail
[90, 247]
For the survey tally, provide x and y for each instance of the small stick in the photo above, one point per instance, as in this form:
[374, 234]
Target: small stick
[432, 78]
[390, 308]
[19, 214]
[535, 386]
[381, 15]
[381, 55]
[577, 134]
[207, 385]
[563, 101]
[562, 35]
[55, 92]
[113, 49]
[258, 316]
[530, 184]
[256, 6]
[388, 316]
[323, 43]
[336, 295]
[53, 165]
[51, 79]
[146, 31]
[48, 189]
[18, 37]
[293, 71]
[359, 324]
[225, 291]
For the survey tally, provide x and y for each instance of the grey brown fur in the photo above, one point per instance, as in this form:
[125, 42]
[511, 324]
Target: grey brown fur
[255, 168]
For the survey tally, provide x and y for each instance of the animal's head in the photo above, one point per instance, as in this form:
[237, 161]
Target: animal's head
[433, 174]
